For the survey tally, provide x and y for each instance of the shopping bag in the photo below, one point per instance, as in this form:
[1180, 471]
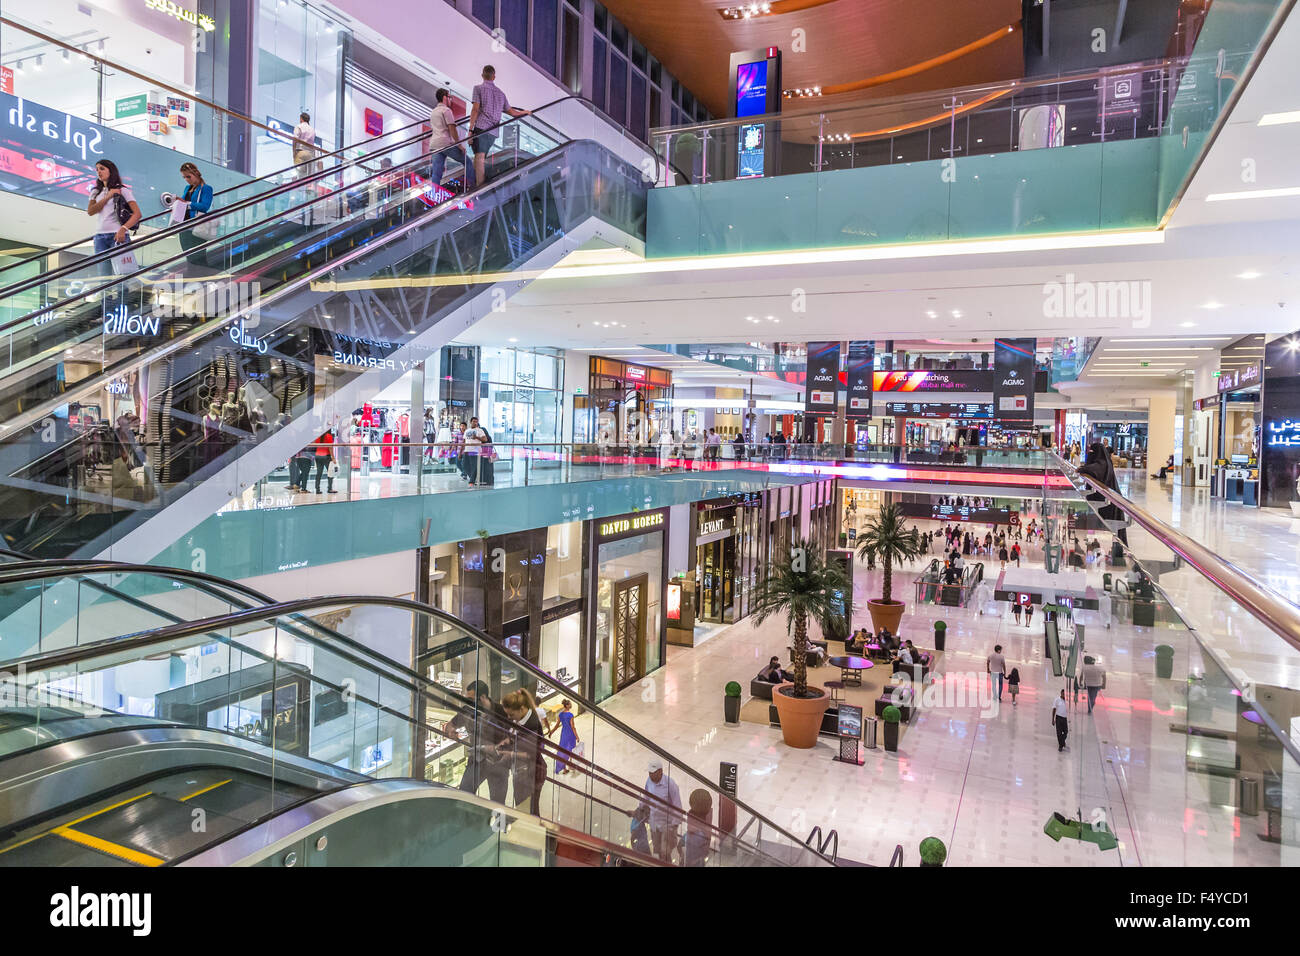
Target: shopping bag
[180, 209]
[332, 469]
[124, 263]
[205, 228]
[579, 749]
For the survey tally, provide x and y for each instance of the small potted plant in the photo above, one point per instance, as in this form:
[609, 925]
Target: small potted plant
[933, 852]
[940, 633]
[731, 702]
[891, 715]
[1164, 661]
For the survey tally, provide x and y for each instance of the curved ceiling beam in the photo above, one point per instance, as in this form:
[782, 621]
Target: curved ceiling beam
[924, 65]
[943, 117]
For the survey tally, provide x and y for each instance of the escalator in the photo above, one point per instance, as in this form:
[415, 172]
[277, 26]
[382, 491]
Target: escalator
[268, 734]
[342, 284]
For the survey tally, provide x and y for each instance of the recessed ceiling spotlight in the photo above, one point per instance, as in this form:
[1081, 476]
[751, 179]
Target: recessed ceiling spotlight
[1212, 305]
[1187, 325]
[1249, 274]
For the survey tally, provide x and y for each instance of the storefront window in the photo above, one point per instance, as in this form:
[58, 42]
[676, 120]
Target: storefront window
[514, 405]
[628, 615]
[299, 61]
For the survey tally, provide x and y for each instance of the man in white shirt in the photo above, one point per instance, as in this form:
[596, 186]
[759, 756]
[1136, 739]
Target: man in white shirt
[1059, 710]
[443, 141]
[304, 146]
[663, 819]
[996, 665]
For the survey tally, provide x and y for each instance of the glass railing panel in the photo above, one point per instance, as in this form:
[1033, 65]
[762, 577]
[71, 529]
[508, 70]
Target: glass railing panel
[43, 614]
[1216, 680]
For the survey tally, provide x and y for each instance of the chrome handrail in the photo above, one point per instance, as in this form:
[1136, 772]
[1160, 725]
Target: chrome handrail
[66, 657]
[1277, 613]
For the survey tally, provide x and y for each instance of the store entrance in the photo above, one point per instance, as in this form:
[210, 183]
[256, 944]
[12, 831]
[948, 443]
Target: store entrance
[715, 579]
[629, 629]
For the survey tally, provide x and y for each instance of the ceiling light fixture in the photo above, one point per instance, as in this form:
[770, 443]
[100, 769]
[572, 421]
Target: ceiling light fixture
[1212, 305]
[1254, 194]
[1249, 274]
[1280, 119]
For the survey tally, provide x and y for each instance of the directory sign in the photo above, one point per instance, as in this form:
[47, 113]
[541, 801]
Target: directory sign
[862, 359]
[1013, 381]
[822, 388]
[850, 721]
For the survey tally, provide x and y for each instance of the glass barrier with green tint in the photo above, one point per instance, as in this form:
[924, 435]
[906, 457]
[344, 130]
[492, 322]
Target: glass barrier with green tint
[389, 689]
[1199, 687]
[1022, 158]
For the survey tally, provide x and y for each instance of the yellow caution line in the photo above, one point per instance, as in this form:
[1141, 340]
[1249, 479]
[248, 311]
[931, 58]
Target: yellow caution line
[112, 849]
[206, 789]
[120, 803]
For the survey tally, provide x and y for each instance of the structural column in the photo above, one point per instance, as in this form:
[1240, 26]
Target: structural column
[1161, 409]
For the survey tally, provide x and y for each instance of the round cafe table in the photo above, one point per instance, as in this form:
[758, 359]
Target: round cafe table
[851, 669]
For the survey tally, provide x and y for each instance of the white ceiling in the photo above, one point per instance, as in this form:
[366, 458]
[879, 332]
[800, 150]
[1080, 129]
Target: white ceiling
[1220, 268]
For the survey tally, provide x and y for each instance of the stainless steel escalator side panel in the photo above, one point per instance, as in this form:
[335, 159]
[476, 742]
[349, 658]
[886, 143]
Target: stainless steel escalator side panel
[38, 782]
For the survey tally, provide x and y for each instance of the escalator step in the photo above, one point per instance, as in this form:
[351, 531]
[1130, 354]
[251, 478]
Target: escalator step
[246, 801]
[158, 826]
[53, 850]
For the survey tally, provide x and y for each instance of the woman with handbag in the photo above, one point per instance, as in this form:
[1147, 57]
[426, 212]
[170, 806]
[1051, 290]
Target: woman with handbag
[198, 202]
[117, 211]
[325, 464]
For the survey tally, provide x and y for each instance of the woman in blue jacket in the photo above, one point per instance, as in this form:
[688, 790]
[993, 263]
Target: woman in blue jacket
[199, 195]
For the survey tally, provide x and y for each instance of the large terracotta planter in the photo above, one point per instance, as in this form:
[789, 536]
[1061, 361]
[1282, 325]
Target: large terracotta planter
[885, 615]
[801, 717]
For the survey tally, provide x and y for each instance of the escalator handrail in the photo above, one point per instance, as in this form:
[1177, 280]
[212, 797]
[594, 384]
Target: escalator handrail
[239, 206]
[59, 659]
[13, 288]
[546, 748]
[1264, 604]
[91, 383]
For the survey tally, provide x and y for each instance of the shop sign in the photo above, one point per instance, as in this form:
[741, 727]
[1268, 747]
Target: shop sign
[6, 79]
[131, 106]
[1283, 434]
[552, 614]
[1249, 375]
[714, 525]
[631, 524]
[84, 138]
[1228, 380]
[169, 9]
[374, 123]
[241, 337]
[635, 373]
[117, 387]
[121, 322]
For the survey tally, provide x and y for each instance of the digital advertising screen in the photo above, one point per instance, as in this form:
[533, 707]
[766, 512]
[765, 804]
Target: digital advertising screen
[751, 89]
[822, 390]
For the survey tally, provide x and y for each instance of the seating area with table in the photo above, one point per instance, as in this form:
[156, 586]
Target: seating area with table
[862, 671]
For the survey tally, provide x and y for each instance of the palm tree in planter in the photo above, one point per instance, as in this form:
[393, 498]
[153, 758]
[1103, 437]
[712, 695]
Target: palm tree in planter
[803, 587]
[887, 539]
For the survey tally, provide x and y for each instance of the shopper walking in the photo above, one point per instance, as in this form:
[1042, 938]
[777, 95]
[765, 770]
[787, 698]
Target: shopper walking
[1059, 711]
[488, 103]
[996, 666]
[1015, 608]
[665, 810]
[1013, 684]
[528, 765]
[300, 468]
[483, 725]
[568, 736]
[304, 146]
[198, 199]
[325, 459]
[443, 142]
[113, 206]
[1029, 614]
[1094, 679]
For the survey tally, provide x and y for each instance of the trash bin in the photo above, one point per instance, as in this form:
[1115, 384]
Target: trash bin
[869, 731]
[1248, 803]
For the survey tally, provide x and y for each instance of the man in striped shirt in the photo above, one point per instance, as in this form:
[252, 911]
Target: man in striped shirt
[484, 118]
